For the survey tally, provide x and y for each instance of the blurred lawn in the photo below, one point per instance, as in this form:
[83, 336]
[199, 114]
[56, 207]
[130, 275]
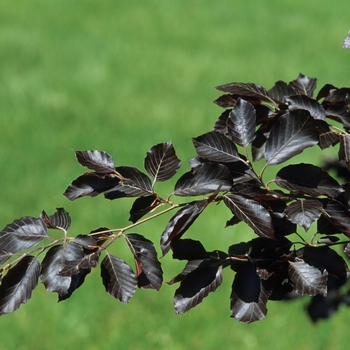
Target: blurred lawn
[121, 76]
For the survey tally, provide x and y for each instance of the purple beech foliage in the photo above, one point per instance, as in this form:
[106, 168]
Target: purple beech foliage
[298, 216]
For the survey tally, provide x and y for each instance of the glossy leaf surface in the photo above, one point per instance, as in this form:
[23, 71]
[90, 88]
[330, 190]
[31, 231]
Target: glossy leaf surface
[161, 161]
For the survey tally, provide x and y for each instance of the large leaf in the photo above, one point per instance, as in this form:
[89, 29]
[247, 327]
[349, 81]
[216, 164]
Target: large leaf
[216, 147]
[161, 161]
[118, 278]
[181, 222]
[252, 213]
[22, 234]
[246, 90]
[149, 270]
[307, 279]
[294, 132]
[304, 85]
[17, 286]
[99, 161]
[133, 183]
[307, 103]
[248, 296]
[241, 123]
[188, 249]
[304, 212]
[308, 179]
[203, 179]
[54, 262]
[58, 221]
[201, 278]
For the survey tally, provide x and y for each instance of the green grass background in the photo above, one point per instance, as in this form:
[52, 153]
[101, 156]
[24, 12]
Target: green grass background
[121, 76]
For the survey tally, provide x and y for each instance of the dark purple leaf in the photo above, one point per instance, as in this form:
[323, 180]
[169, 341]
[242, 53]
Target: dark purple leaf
[99, 161]
[294, 132]
[203, 179]
[339, 113]
[280, 90]
[248, 296]
[146, 260]
[197, 284]
[307, 279]
[307, 103]
[22, 234]
[143, 206]
[220, 124]
[325, 90]
[4, 256]
[59, 221]
[76, 281]
[90, 184]
[54, 262]
[252, 213]
[225, 101]
[133, 183]
[161, 161]
[181, 222]
[327, 136]
[344, 149]
[325, 257]
[308, 179]
[188, 249]
[216, 147]
[304, 212]
[246, 90]
[86, 241]
[118, 278]
[338, 215]
[304, 85]
[241, 123]
[17, 286]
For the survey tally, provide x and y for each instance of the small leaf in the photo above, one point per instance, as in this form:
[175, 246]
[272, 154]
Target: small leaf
[118, 278]
[252, 213]
[306, 103]
[99, 161]
[241, 123]
[216, 147]
[294, 132]
[147, 260]
[304, 85]
[304, 212]
[17, 286]
[58, 221]
[327, 136]
[307, 279]
[161, 161]
[203, 179]
[22, 234]
[249, 295]
[181, 222]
